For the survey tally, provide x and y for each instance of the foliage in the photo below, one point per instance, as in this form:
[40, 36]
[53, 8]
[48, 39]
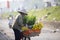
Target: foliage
[54, 13]
[29, 19]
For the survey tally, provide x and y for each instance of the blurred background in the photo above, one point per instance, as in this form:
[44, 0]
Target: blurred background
[42, 7]
[46, 11]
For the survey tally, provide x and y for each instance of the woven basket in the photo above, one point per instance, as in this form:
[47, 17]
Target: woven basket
[32, 33]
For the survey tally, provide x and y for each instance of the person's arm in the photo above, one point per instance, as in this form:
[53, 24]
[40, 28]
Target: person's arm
[20, 21]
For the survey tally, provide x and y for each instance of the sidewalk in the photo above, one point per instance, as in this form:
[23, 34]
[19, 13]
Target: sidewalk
[3, 37]
[7, 34]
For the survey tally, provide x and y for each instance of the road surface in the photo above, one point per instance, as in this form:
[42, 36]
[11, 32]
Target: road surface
[46, 34]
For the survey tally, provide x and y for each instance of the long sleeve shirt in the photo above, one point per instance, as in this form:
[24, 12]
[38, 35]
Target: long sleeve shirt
[18, 23]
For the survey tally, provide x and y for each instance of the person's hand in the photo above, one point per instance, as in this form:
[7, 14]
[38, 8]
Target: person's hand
[21, 31]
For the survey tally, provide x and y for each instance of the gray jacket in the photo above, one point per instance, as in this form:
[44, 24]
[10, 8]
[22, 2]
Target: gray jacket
[18, 23]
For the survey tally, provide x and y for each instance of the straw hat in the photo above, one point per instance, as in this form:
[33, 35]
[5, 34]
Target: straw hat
[22, 11]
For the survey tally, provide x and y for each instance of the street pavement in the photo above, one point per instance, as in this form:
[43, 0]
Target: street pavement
[3, 37]
[46, 34]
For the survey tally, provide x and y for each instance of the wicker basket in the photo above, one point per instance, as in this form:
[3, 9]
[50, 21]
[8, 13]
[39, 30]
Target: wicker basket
[32, 33]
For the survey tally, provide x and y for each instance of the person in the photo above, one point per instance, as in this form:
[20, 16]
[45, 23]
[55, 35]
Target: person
[18, 25]
[10, 18]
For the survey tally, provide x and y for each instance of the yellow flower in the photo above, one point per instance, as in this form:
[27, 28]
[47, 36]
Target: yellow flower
[24, 28]
[38, 26]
